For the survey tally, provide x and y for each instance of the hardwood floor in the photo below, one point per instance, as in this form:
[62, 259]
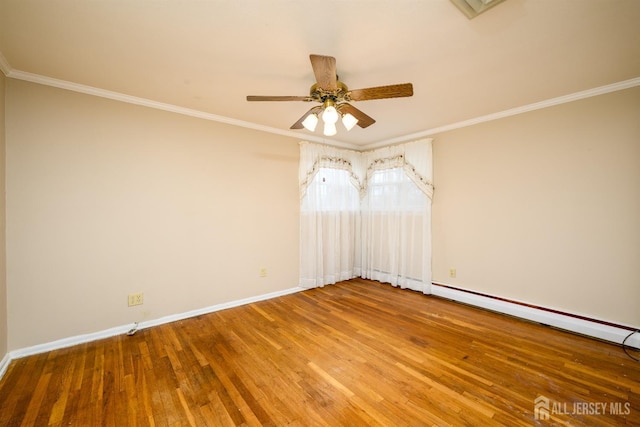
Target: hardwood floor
[351, 354]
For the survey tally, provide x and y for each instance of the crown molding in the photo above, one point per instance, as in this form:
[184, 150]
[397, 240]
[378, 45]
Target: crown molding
[471, 9]
[4, 65]
[601, 90]
[90, 90]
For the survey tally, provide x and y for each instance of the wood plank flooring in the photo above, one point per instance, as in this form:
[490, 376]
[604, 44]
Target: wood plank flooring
[356, 353]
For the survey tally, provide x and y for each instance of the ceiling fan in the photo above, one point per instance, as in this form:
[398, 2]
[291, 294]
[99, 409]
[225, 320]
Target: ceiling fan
[334, 97]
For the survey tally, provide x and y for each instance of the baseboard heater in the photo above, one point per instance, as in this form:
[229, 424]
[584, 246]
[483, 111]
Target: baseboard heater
[584, 325]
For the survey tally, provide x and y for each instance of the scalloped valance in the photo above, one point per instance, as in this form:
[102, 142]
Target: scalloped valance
[415, 158]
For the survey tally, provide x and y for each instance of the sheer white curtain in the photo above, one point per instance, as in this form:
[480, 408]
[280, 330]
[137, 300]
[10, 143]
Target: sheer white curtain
[329, 216]
[395, 231]
[396, 216]
[366, 214]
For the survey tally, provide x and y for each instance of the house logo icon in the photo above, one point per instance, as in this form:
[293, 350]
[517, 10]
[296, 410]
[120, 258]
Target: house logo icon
[541, 408]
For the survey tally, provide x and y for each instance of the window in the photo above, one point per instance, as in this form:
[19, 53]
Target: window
[331, 191]
[392, 190]
[366, 214]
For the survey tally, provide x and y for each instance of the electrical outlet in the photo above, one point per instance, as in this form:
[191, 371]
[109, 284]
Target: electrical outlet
[135, 299]
[452, 272]
[263, 271]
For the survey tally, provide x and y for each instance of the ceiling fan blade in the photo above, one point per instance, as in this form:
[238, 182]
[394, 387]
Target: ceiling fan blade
[324, 68]
[298, 124]
[382, 92]
[363, 120]
[277, 98]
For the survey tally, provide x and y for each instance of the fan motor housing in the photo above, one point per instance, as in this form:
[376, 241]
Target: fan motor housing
[321, 95]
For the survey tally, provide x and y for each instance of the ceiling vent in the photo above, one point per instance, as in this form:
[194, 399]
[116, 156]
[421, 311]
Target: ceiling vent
[473, 8]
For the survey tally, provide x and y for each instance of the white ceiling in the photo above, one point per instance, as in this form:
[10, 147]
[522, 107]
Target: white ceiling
[208, 55]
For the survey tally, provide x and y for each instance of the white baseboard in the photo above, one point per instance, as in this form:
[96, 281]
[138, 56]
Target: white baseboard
[217, 307]
[570, 323]
[4, 364]
[579, 325]
[119, 330]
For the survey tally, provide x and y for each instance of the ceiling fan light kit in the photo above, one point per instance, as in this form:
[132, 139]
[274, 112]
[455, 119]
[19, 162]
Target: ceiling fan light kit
[310, 122]
[349, 121]
[330, 114]
[334, 97]
[329, 129]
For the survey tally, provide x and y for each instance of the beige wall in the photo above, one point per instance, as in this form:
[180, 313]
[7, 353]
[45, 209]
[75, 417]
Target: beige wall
[544, 207]
[3, 270]
[106, 199]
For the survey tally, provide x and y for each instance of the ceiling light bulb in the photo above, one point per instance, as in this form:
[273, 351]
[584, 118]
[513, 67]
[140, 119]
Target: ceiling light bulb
[330, 115]
[349, 121]
[310, 122]
[330, 129]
